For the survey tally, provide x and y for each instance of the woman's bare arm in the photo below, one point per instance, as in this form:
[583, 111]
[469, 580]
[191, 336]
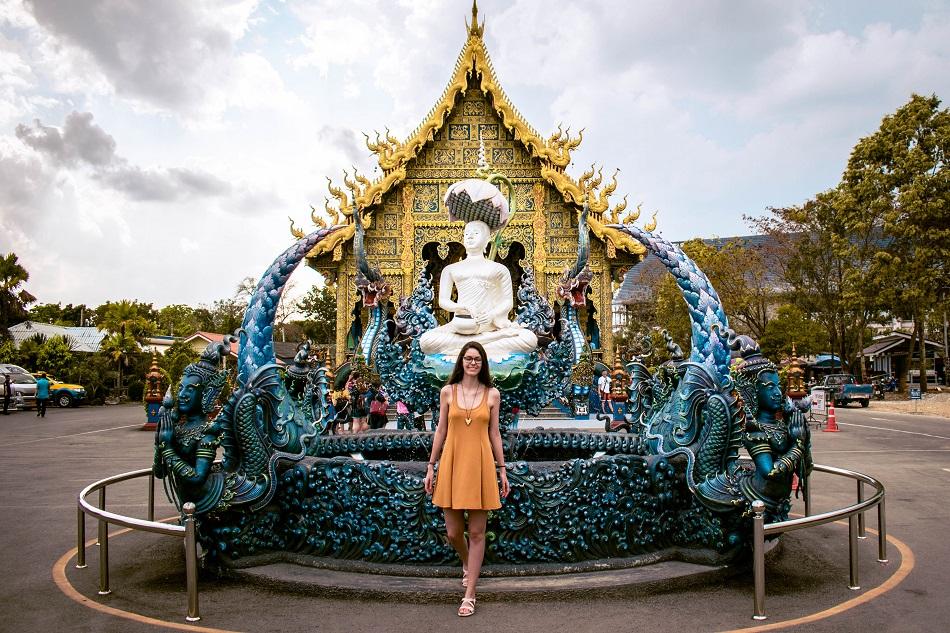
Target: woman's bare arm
[438, 440]
[494, 434]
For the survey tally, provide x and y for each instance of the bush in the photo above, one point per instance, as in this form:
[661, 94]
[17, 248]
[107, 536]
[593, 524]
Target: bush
[136, 390]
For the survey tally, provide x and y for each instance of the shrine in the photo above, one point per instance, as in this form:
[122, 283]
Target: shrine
[407, 230]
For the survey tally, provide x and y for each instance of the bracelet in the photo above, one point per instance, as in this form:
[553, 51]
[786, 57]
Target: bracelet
[431, 463]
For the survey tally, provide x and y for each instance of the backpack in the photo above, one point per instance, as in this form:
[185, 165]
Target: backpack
[378, 407]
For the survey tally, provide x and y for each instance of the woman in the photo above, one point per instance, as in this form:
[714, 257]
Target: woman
[359, 406]
[469, 444]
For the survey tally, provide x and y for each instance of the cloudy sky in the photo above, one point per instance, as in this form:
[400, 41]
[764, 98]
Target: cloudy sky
[154, 150]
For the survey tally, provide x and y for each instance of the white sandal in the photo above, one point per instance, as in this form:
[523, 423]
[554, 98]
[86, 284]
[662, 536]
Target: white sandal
[467, 607]
[465, 578]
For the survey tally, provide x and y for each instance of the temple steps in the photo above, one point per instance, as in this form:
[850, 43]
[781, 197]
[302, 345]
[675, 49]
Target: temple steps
[526, 582]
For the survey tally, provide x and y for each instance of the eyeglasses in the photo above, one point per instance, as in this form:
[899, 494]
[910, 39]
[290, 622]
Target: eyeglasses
[472, 360]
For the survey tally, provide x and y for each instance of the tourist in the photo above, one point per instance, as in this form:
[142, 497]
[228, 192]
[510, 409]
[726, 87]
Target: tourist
[7, 388]
[466, 436]
[359, 406]
[403, 417]
[342, 405]
[377, 409]
[42, 395]
[603, 391]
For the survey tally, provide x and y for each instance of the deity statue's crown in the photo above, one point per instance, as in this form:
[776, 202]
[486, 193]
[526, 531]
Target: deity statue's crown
[752, 360]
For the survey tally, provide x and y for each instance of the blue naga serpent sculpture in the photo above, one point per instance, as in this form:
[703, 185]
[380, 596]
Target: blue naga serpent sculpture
[280, 486]
[696, 410]
[268, 418]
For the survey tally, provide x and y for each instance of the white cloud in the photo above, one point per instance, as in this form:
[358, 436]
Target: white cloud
[215, 120]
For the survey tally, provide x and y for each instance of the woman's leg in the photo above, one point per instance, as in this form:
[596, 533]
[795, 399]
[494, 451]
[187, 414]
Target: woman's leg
[477, 520]
[455, 530]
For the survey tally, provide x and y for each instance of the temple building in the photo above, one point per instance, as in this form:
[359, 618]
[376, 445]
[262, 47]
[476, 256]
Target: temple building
[407, 226]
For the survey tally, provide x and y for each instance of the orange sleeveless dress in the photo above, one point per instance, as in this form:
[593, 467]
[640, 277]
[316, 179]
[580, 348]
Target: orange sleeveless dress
[466, 479]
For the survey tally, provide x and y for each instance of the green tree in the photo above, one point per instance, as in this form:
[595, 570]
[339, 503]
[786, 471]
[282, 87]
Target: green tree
[319, 309]
[70, 315]
[29, 352]
[816, 257]
[55, 357]
[177, 320]
[791, 326]
[13, 298]
[173, 362]
[899, 174]
[127, 326]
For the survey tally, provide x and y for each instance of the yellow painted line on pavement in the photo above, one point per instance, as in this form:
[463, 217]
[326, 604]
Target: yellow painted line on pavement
[59, 577]
[906, 566]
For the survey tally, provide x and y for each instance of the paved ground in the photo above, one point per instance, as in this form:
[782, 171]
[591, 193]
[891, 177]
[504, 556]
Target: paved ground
[43, 464]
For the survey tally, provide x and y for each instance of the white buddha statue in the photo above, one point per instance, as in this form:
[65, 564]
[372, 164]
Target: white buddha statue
[485, 298]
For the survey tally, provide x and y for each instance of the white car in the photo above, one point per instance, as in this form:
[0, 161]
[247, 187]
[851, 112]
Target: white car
[22, 382]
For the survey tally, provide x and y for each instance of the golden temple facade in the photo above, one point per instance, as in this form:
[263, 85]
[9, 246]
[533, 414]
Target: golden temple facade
[407, 226]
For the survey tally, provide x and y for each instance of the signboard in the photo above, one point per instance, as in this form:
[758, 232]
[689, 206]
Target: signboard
[818, 399]
[914, 393]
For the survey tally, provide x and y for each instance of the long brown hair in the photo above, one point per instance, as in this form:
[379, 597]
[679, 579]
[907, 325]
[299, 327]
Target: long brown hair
[484, 375]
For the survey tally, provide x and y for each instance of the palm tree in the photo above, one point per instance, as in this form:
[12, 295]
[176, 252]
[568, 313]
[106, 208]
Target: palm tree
[13, 301]
[127, 328]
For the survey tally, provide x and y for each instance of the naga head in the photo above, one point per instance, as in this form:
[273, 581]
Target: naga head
[301, 364]
[370, 283]
[573, 284]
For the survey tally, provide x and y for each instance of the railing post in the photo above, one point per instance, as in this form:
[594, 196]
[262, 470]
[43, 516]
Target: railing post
[806, 488]
[102, 506]
[104, 589]
[854, 583]
[191, 562]
[881, 533]
[151, 496]
[861, 532]
[758, 558]
[80, 538]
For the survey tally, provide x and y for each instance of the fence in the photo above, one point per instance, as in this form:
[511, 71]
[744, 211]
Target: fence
[186, 531]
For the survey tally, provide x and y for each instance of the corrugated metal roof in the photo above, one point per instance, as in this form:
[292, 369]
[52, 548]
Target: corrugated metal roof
[81, 339]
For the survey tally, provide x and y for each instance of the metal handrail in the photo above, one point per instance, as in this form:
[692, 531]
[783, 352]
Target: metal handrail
[856, 529]
[186, 531]
[855, 514]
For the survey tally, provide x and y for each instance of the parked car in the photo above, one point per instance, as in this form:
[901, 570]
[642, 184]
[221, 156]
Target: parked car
[66, 394]
[843, 389]
[23, 384]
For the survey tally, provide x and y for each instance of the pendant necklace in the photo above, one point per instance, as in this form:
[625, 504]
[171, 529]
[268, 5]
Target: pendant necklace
[468, 410]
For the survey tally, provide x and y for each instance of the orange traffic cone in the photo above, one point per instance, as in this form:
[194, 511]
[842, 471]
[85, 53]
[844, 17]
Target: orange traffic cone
[832, 425]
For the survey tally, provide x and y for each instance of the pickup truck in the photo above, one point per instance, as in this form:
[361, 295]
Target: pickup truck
[843, 389]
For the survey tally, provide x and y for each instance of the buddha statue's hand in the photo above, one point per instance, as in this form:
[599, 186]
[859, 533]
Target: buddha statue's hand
[501, 322]
[482, 319]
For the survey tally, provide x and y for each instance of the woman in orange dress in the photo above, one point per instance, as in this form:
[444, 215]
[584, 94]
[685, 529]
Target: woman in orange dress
[467, 444]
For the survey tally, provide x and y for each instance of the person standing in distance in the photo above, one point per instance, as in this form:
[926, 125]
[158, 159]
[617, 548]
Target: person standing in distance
[42, 395]
[603, 390]
[467, 443]
[7, 387]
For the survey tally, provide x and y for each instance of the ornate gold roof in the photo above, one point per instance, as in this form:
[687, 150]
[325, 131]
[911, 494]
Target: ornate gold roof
[553, 152]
